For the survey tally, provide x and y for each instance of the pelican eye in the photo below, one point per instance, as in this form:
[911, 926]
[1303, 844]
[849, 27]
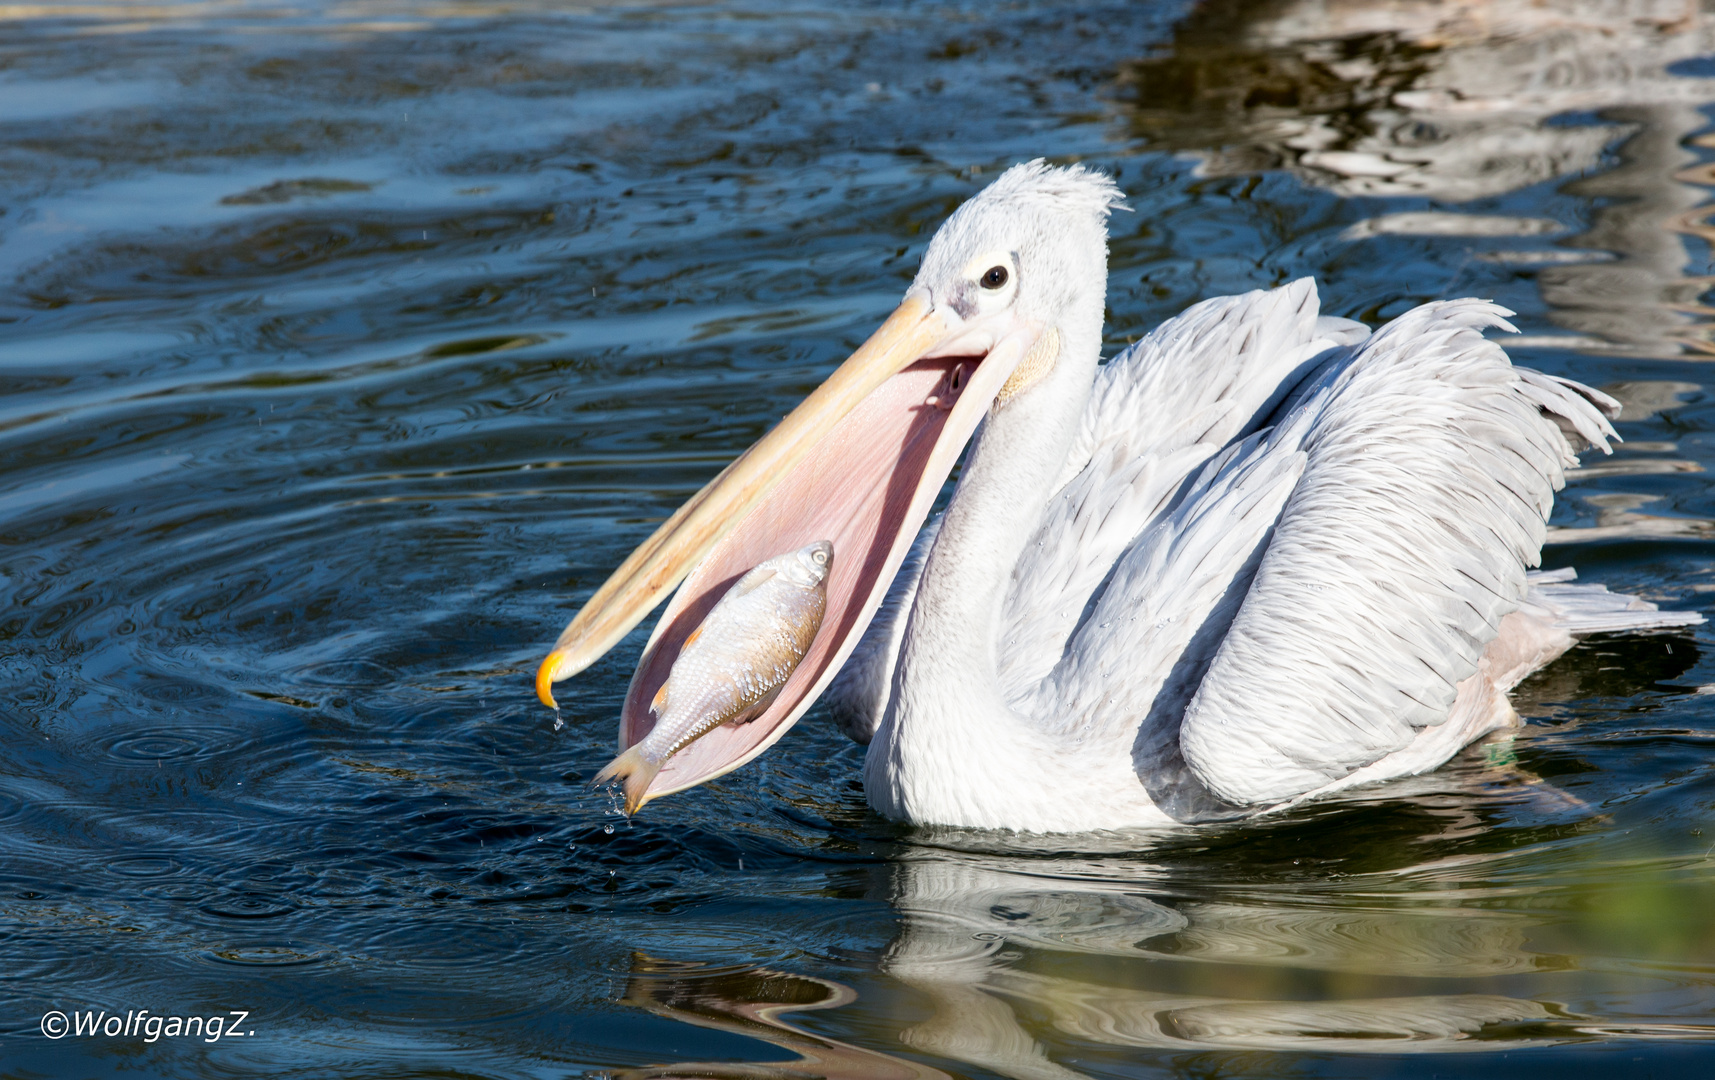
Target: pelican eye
[994, 277]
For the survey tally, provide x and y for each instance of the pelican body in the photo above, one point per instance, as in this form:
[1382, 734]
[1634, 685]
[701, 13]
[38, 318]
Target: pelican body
[733, 664]
[1259, 556]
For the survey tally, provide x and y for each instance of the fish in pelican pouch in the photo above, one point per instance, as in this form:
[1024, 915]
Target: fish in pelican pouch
[734, 663]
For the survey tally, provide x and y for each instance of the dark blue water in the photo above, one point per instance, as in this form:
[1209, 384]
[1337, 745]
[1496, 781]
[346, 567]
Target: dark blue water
[345, 348]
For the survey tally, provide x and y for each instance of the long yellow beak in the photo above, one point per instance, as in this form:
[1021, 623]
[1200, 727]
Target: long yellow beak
[661, 563]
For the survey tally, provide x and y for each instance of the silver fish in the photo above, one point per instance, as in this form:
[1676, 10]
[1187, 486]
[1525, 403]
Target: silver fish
[734, 663]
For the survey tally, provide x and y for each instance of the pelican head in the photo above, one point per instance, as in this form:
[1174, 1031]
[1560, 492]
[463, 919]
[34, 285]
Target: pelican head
[1025, 256]
[1011, 283]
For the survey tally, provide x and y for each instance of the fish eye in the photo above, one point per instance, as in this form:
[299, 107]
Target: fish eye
[994, 278]
[820, 556]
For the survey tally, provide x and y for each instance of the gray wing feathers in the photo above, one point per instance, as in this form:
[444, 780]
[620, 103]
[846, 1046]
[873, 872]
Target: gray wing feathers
[1432, 464]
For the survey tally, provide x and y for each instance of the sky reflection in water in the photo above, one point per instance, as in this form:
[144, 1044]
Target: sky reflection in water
[346, 347]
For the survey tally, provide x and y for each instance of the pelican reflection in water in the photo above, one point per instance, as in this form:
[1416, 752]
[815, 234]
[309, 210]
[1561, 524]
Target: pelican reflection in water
[1008, 963]
[1260, 556]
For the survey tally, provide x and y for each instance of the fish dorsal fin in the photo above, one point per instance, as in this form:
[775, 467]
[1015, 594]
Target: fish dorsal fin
[695, 634]
[660, 702]
[745, 584]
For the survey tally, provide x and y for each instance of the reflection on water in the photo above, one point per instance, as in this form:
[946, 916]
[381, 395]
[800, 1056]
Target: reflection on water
[965, 918]
[1458, 952]
[345, 347]
[754, 1002]
[1016, 964]
[1462, 102]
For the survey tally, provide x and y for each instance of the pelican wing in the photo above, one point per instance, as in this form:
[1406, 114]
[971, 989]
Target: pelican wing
[1431, 467]
[1168, 600]
[1158, 413]
[1230, 356]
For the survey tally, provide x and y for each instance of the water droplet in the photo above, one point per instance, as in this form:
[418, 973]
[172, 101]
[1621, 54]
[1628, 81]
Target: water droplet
[571, 847]
[559, 721]
[608, 828]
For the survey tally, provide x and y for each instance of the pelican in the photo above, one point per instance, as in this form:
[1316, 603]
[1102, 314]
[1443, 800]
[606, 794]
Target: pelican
[1259, 556]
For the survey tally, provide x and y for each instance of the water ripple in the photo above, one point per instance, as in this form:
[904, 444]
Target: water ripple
[249, 905]
[257, 954]
[145, 866]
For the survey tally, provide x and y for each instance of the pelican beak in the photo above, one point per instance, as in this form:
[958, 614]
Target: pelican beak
[859, 462]
[663, 560]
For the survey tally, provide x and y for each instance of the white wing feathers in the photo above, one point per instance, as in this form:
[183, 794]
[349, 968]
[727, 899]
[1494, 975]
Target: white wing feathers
[1089, 525]
[1157, 413]
[1167, 592]
[1592, 609]
[1431, 468]
[1559, 400]
[1242, 353]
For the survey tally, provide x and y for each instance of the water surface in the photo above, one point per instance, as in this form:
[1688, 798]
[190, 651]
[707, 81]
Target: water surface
[345, 348]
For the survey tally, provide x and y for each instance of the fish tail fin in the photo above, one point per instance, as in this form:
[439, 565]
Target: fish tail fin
[634, 773]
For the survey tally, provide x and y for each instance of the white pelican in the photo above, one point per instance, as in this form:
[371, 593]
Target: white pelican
[1260, 555]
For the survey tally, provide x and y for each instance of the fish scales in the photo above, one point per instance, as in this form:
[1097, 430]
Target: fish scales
[734, 663]
[747, 648]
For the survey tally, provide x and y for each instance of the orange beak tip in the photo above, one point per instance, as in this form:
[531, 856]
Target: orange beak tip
[545, 681]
